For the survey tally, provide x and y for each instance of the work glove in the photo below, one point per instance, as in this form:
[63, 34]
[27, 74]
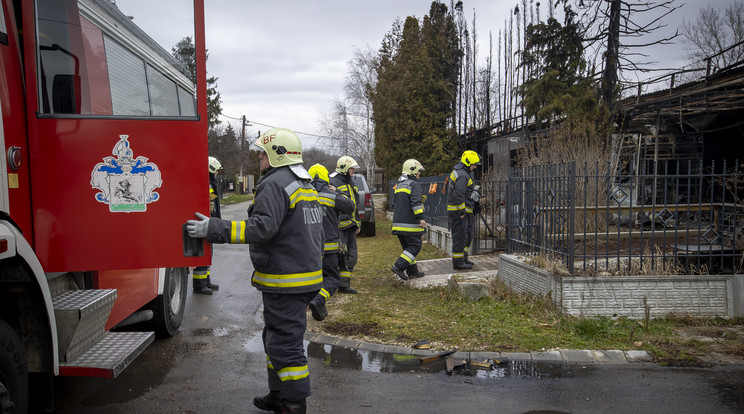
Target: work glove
[475, 196]
[198, 228]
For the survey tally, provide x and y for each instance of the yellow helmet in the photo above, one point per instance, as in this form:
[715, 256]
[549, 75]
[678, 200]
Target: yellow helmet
[344, 163]
[318, 171]
[214, 165]
[470, 157]
[282, 146]
[411, 167]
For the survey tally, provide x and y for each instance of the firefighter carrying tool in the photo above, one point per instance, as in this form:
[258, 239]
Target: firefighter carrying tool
[461, 198]
[285, 231]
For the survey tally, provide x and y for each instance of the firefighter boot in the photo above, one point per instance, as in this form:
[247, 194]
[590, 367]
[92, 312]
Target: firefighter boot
[413, 272]
[203, 290]
[464, 259]
[269, 402]
[318, 308]
[293, 407]
[399, 272]
[459, 264]
[213, 286]
[347, 289]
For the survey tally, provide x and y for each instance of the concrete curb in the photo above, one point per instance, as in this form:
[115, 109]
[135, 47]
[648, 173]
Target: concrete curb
[583, 356]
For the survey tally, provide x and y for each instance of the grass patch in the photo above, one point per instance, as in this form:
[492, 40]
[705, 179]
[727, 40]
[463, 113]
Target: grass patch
[388, 311]
[234, 198]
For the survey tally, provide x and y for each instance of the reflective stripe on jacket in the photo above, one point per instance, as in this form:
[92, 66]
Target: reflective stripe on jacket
[408, 206]
[285, 232]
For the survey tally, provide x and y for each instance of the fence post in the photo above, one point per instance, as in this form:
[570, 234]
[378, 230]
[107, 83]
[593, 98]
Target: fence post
[571, 216]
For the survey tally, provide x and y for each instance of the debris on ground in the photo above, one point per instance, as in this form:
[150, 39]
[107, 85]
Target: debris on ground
[422, 344]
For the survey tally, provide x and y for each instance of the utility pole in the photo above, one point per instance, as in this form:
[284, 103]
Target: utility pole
[242, 142]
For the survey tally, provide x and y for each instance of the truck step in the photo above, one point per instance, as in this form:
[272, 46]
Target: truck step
[109, 356]
[81, 319]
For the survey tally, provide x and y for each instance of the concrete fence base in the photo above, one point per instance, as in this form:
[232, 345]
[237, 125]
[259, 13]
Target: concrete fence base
[631, 296]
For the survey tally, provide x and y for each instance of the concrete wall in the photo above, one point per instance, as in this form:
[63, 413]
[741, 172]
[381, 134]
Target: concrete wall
[439, 237]
[700, 296]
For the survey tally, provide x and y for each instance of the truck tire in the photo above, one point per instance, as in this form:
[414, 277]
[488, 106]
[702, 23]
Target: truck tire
[168, 308]
[13, 372]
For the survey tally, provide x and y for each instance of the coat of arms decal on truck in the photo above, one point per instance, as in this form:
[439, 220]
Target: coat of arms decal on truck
[126, 183]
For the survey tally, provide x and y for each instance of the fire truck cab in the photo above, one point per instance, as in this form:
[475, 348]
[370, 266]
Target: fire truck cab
[104, 158]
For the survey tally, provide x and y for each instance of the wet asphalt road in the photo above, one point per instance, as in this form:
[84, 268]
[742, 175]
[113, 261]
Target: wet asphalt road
[216, 364]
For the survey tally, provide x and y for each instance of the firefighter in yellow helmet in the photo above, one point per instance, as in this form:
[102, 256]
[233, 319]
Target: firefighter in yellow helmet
[202, 279]
[461, 199]
[285, 231]
[349, 224]
[334, 203]
[408, 219]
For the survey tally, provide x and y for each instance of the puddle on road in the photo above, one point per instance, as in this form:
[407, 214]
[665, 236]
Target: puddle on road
[219, 331]
[372, 361]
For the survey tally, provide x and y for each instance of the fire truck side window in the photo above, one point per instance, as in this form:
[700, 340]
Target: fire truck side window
[94, 61]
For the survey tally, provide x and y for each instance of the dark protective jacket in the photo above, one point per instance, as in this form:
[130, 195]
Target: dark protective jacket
[343, 183]
[459, 190]
[408, 206]
[285, 232]
[214, 197]
[334, 203]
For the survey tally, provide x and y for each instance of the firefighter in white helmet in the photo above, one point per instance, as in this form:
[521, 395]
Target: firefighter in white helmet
[461, 199]
[285, 231]
[408, 219]
[202, 278]
[334, 203]
[349, 224]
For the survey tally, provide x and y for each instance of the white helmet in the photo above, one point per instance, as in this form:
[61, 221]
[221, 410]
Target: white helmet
[214, 165]
[282, 146]
[344, 163]
[411, 167]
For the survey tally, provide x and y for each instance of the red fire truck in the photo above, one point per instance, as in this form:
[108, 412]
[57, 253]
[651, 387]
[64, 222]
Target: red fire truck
[104, 158]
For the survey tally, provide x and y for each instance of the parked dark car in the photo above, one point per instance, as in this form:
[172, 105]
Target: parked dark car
[366, 206]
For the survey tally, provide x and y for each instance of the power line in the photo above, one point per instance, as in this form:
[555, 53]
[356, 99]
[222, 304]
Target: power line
[272, 126]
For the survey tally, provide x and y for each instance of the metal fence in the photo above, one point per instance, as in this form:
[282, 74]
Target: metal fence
[669, 218]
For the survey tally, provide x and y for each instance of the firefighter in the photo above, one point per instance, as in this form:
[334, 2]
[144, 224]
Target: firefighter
[202, 282]
[461, 198]
[334, 203]
[348, 223]
[408, 219]
[285, 231]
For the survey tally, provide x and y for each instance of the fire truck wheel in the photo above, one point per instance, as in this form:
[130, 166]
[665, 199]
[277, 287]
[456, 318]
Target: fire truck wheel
[168, 308]
[13, 372]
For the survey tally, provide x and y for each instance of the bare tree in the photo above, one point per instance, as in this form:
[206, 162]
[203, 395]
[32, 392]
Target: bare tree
[713, 32]
[349, 122]
[619, 30]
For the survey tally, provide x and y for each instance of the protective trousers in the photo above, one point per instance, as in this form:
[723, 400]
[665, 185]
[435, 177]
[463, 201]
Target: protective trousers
[461, 231]
[200, 277]
[331, 277]
[346, 266]
[285, 323]
[411, 245]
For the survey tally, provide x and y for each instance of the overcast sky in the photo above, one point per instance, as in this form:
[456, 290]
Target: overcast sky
[282, 62]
